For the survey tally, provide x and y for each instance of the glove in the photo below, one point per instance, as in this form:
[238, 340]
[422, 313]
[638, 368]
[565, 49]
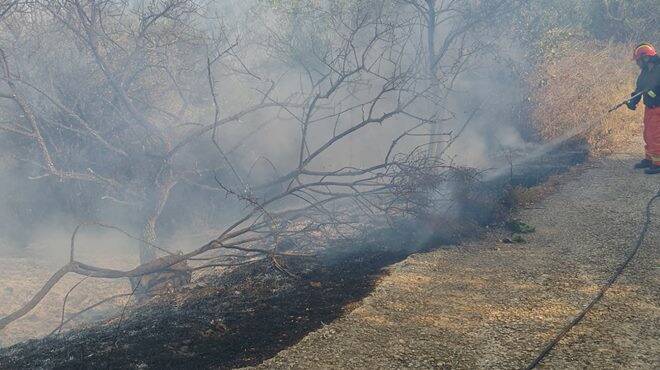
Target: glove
[631, 105]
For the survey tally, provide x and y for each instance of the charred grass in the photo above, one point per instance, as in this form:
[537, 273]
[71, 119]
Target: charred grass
[237, 318]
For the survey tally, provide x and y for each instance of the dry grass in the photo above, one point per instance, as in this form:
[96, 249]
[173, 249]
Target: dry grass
[21, 276]
[527, 197]
[578, 86]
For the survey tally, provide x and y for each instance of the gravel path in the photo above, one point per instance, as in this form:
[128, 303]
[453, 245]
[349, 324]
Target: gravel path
[494, 305]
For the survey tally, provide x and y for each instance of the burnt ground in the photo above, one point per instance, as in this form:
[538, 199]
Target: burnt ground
[236, 318]
[245, 316]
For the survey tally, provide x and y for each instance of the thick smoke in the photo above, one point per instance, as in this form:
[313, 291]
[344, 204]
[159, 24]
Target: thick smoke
[261, 145]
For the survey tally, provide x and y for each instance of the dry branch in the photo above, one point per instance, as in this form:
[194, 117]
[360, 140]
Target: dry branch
[367, 75]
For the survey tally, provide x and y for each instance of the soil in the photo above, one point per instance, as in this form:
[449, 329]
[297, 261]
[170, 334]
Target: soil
[494, 305]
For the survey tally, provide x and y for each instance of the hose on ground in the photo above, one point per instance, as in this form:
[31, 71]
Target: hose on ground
[576, 320]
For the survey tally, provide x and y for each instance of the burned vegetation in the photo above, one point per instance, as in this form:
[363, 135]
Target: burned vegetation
[302, 147]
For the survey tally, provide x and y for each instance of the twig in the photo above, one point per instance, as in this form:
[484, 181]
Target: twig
[66, 297]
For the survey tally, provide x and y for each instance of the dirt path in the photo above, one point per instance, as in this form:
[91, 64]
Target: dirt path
[494, 305]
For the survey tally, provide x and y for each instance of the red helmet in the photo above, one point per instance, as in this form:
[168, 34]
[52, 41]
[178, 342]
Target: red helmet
[644, 50]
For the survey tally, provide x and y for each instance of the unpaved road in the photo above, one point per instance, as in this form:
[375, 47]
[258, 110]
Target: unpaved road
[494, 305]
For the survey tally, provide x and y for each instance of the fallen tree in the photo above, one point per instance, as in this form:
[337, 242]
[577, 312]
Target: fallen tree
[121, 113]
[125, 104]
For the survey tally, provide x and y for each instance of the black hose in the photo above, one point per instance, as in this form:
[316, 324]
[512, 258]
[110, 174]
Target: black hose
[638, 243]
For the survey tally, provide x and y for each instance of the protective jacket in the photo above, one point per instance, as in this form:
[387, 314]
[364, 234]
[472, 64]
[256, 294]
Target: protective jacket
[649, 79]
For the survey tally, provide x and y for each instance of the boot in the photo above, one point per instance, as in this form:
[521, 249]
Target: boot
[653, 170]
[644, 163]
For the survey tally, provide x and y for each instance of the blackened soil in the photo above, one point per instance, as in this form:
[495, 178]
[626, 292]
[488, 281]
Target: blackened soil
[237, 319]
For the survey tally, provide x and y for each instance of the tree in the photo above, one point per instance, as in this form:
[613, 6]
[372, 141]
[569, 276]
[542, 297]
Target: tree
[455, 34]
[129, 104]
[113, 104]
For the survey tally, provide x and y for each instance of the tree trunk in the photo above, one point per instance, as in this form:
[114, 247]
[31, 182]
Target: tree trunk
[149, 232]
[433, 77]
[147, 252]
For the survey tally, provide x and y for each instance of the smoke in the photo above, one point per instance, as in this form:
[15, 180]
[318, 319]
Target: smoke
[280, 52]
[487, 104]
[261, 146]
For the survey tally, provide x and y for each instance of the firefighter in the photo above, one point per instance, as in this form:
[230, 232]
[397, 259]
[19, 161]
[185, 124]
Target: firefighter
[648, 82]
